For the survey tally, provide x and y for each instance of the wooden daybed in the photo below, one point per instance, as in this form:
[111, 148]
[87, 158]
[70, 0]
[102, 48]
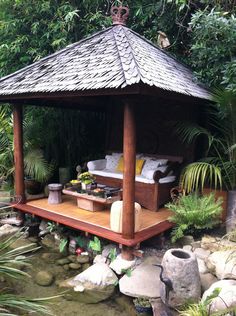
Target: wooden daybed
[150, 194]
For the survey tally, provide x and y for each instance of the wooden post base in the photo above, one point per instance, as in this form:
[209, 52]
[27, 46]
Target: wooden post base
[127, 253]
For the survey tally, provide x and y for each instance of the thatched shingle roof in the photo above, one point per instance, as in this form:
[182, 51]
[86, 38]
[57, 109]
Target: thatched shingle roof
[114, 58]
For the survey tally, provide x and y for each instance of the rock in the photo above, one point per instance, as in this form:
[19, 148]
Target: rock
[120, 265]
[51, 257]
[210, 243]
[226, 297]
[144, 280]
[159, 308]
[187, 247]
[63, 261]
[222, 264]
[99, 259]
[181, 268]
[108, 248]
[83, 259]
[33, 239]
[74, 266]
[94, 285]
[207, 279]
[44, 278]
[23, 242]
[195, 245]
[202, 266]
[85, 266]
[49, 242]
[72, 258]
[202, 253]
[66, 267]
[7, 230]
[187, 240]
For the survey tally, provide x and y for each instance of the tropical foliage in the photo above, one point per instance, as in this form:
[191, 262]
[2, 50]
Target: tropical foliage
[35, 164]
[219, 166]
[193, 213]
[10, 260]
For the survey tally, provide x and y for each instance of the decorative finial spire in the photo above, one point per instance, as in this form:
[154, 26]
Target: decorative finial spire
[119, 15]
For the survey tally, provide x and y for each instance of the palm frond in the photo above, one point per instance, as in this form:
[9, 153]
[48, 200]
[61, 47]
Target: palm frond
[36, 165]
[197, 174]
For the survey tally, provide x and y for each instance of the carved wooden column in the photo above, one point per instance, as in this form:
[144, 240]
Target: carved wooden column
[18, 152]
[129, 151]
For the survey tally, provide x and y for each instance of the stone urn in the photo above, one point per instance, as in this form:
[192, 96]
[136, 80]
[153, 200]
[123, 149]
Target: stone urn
[181, 267]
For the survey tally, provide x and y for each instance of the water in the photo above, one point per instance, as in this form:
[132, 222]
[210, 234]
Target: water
[60, 306]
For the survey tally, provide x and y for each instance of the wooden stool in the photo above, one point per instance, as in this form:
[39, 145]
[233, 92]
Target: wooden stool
[54, 196]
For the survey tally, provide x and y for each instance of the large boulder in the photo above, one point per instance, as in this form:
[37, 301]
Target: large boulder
[207, 279]
[143, 281]
[226, 297]
[7, 230]
[222, 264]
[93, 285]
[119, 265]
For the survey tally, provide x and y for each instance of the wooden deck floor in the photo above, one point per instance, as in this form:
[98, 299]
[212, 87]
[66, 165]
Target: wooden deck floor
[97, 223]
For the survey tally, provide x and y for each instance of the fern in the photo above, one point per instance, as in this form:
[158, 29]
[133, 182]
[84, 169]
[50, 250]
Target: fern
[192, 213]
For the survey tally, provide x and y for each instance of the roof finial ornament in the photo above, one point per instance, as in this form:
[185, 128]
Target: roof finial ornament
[119, 15]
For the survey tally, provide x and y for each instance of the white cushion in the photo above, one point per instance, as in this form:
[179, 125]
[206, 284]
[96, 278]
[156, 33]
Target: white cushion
[150, 173]
[99, 164]
[151, 164]
[167, 179]
[112, 162]
[119, 175]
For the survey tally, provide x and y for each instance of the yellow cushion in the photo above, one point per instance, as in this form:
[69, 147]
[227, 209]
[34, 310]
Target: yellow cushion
[139, 165]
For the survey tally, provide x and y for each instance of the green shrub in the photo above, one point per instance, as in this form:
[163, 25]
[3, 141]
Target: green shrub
[193, 213]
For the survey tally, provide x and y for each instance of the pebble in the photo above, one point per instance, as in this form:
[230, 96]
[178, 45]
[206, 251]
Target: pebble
[75, 266]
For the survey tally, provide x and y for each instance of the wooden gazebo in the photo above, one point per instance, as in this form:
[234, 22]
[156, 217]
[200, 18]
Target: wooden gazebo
[114, 63]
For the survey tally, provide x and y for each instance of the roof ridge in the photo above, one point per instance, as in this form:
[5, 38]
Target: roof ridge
[118, 53]
[55, 53]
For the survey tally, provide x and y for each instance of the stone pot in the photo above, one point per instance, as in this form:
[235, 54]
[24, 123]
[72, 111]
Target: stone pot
[181, 267]
[32, 186]
[231, 212]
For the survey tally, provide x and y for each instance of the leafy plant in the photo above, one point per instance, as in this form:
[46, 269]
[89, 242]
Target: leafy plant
[203, 307]
[219, 165]
[95, 244]
[142, 301]
[51, 226]
[193, 213]
[34, 162]
[127, 272]
[62, 245]
[86, 177]
[9, 260]
[112, 254]
[81, 241]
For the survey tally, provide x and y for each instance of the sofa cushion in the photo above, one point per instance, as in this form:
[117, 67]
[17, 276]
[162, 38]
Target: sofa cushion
[153, 164]
[138, 165]
[99, 164]
[112, 162]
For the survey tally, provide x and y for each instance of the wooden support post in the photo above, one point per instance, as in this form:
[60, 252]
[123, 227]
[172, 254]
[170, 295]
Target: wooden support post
[129, 151]
[18, 152]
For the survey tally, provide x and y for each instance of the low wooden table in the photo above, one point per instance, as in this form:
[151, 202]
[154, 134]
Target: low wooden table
[91, 202]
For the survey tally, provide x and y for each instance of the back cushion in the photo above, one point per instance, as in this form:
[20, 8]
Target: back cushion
[138, 165]
[112, 162]
[151, 164]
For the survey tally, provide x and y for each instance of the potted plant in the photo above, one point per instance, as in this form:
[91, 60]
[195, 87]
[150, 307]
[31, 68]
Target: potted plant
[142, 305]
[86, 179]
[218, 168]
